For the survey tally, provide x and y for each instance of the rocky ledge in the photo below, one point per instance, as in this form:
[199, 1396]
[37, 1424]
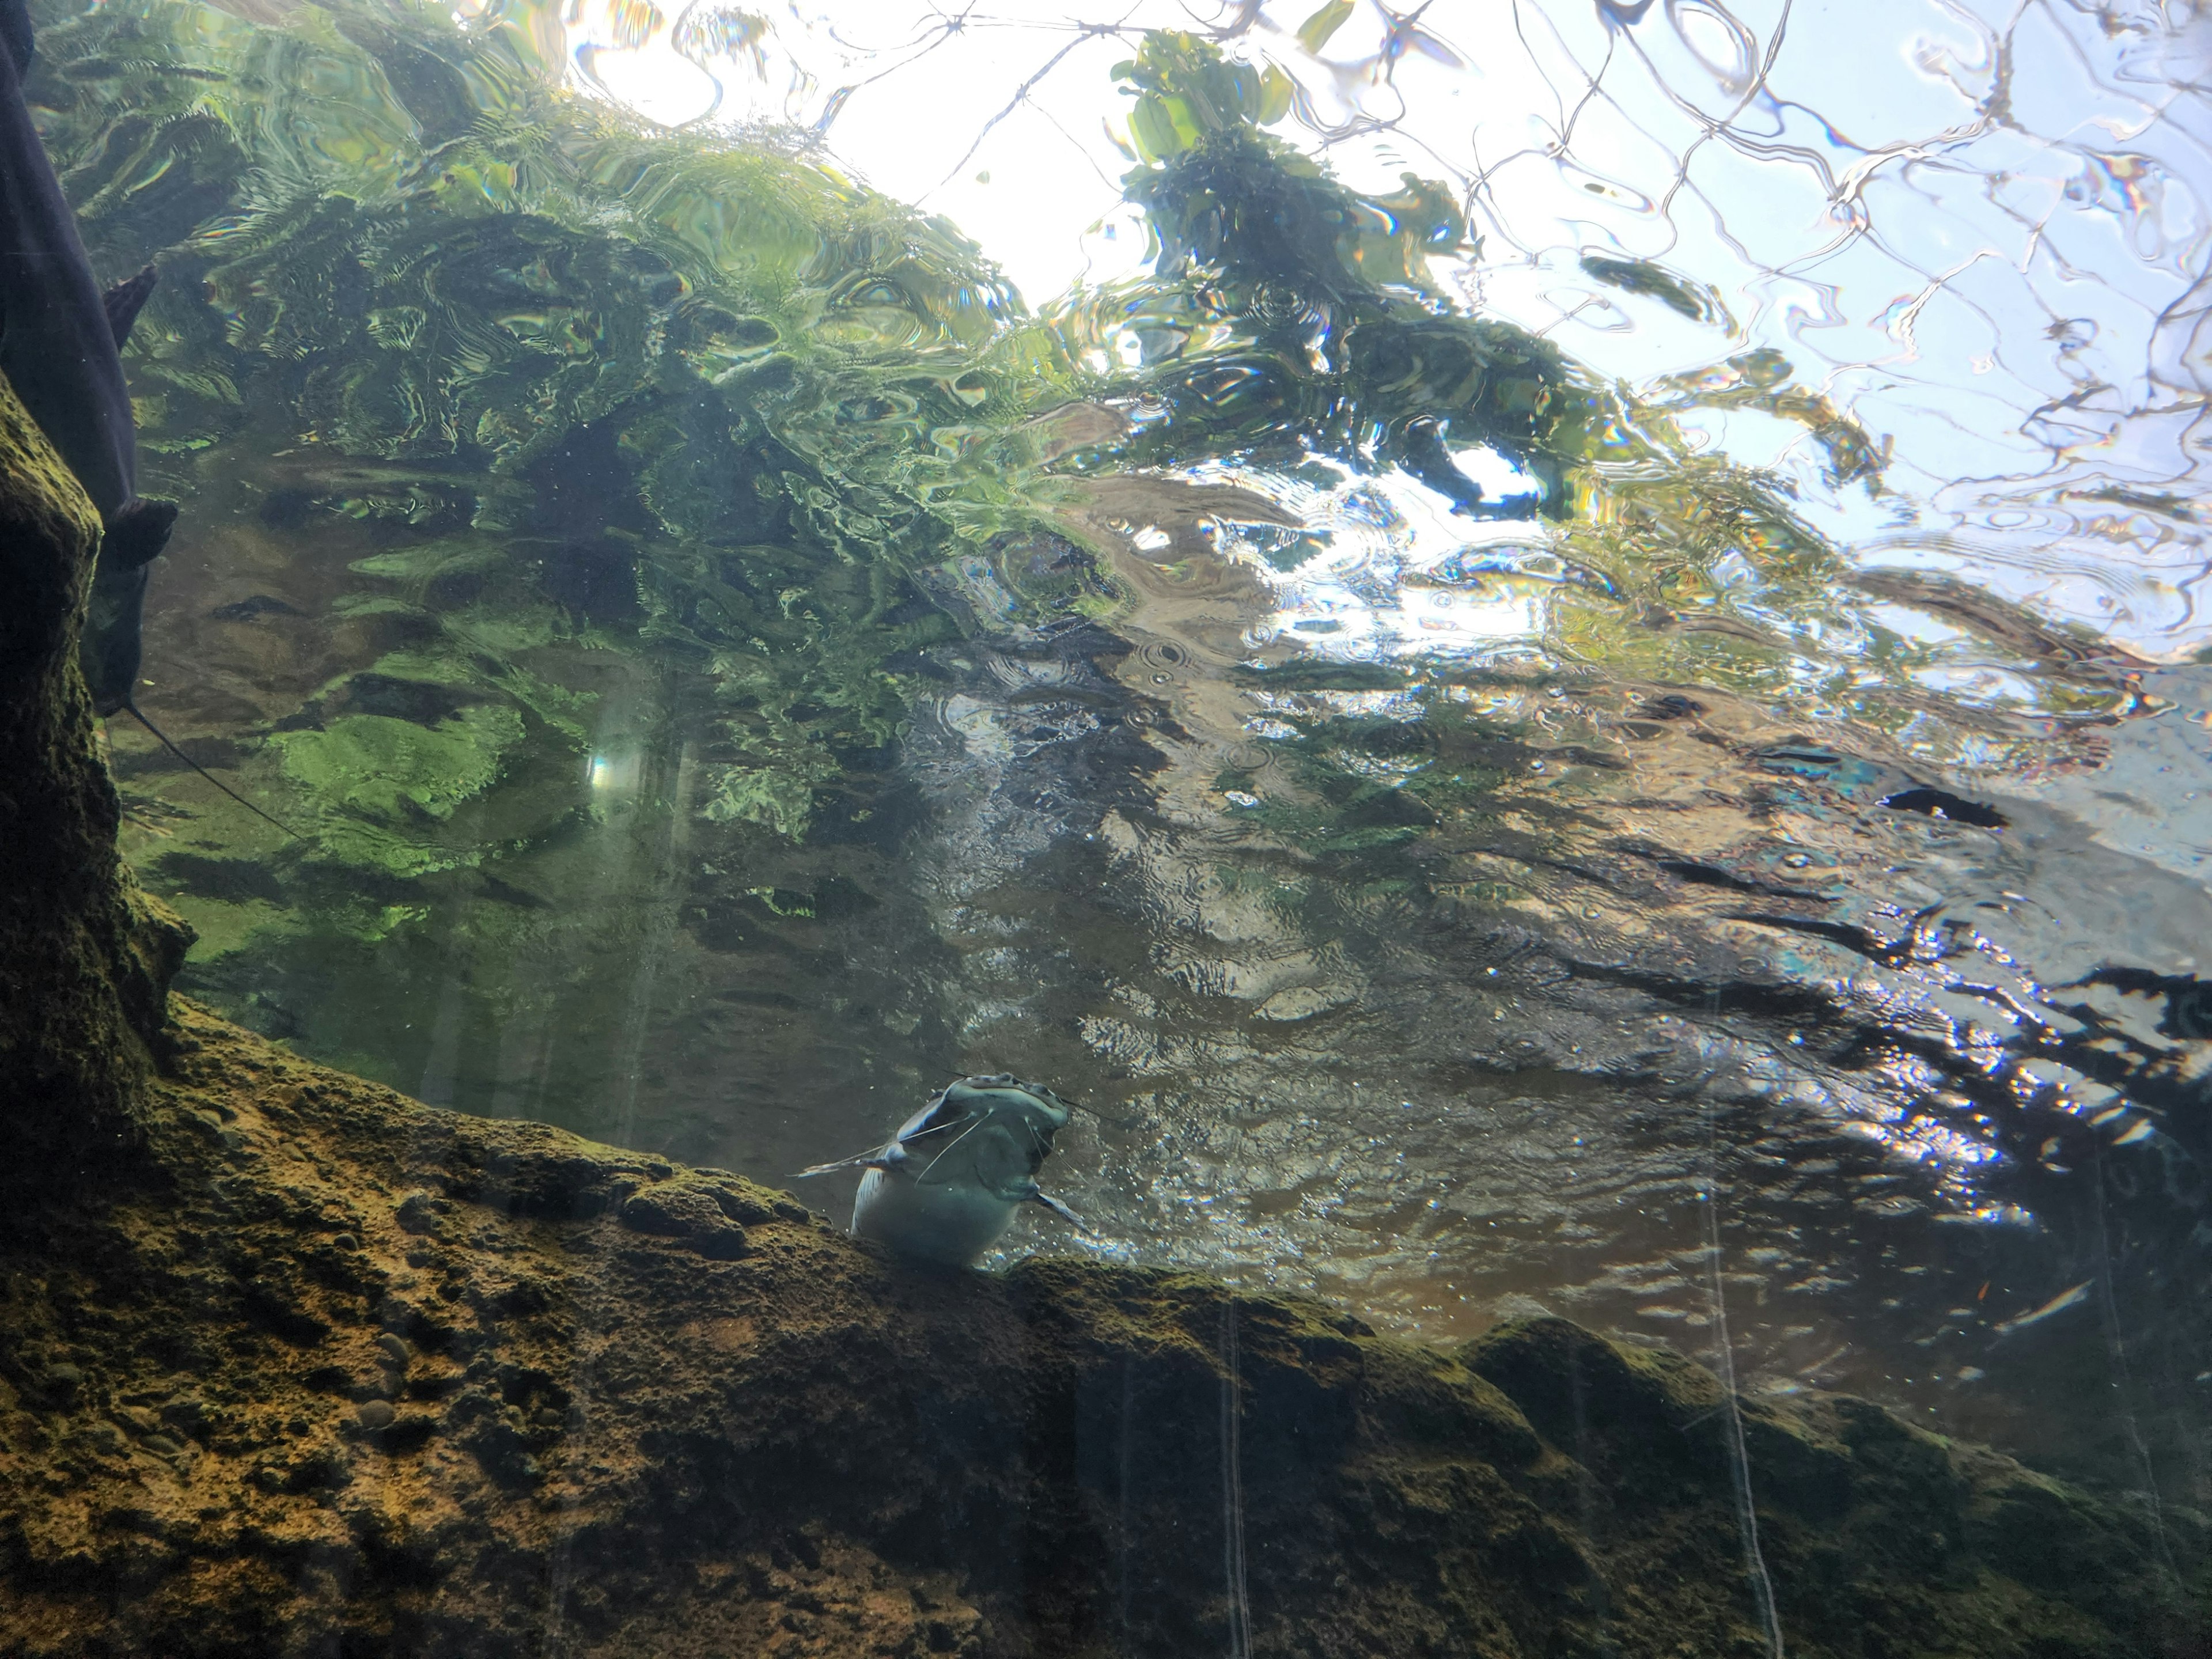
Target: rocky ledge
[330, 1372]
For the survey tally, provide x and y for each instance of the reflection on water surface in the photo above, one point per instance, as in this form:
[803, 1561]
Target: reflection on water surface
[1496, 635]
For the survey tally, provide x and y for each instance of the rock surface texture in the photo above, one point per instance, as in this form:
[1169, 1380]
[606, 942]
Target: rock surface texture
[335, 1373]
[85, 957]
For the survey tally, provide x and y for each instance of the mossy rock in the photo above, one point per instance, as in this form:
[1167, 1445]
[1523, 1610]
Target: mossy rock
[86, 957]
[445, 1362]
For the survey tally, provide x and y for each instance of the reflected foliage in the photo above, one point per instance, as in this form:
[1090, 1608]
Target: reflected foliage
[1296, 329]
[592, 387]
[1287, 314]
[627, 443]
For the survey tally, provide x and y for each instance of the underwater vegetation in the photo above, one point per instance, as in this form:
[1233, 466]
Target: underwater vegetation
[557, 342]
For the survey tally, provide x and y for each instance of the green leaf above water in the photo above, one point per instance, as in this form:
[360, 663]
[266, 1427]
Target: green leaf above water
[1314, 34]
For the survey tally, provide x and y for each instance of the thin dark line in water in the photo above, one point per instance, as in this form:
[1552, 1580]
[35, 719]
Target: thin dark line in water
[2109, 1306]
[1762, 1585]
[1232, 1488]
[1086, 32]
[162, 737]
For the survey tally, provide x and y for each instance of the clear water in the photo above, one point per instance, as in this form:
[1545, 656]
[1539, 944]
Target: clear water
[1597, 644]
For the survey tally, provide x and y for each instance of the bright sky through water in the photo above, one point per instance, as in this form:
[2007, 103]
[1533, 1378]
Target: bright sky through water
[1982, 231]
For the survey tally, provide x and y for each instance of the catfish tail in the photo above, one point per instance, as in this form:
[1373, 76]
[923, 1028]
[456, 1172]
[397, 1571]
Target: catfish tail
[132, 709]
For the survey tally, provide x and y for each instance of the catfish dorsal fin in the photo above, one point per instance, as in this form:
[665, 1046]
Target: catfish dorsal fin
[132, 709]
[122, 301]
[1063, 1212]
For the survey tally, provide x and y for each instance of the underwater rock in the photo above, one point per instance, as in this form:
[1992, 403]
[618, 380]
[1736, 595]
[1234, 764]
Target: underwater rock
[695, 1212]
[337, 1373]
[85, 957]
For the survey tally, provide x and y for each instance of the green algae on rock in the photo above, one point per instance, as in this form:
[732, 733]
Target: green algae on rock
[351, 1375]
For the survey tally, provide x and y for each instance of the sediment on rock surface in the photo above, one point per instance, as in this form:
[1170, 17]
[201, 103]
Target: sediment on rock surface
[340, 1373]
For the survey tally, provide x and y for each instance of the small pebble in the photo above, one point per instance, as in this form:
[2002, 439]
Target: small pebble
[418, 1213]
[375, 1413]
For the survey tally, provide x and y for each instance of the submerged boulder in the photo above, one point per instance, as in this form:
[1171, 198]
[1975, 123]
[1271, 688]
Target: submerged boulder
[335, 1372]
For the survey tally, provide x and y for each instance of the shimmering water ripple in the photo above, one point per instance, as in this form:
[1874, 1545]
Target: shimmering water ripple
[1980, 233]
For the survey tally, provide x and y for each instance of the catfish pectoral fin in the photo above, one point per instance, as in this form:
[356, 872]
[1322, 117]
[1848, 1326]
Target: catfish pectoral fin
[122, 301]
[137, 531]
[1063, 1212]
[859, 1161]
